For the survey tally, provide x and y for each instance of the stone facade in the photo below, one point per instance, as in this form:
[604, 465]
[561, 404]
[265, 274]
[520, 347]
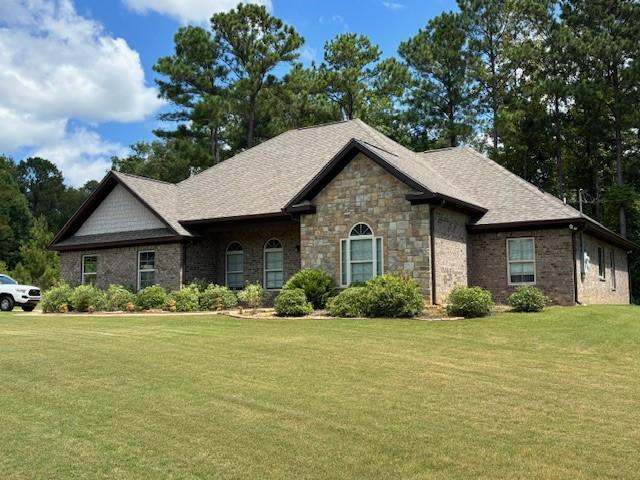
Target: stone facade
[553, 257]
[206, 257]
[614, 286]
[450, 241]
[119, 265]
[363, 192]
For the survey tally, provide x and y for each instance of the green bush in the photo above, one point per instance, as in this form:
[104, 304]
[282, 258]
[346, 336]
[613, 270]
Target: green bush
[118, 297]
[292, 303]
[184, 300]
[151, 298]
[87, 297]
[199, 284]
[317, 285]
[469, 302]
[350, 303]
[56, 296]
[217, 297]
[528, 298]
[252, 296]
[392, 296]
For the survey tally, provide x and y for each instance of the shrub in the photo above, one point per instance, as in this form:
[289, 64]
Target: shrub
[56, 297]
[184, 300]
[217, 297]
[252, 296]
[118, 297]
[528, 298]
[199, 284]
[292, 303]
[393, 296]
[349, 303]
[469, 302]
[87, 297]
[151, 298]
[318, 286]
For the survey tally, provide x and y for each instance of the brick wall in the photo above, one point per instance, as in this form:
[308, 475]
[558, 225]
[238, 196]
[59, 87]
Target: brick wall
[120, 265]
[592, 288]
[554, 263]
[450, 239]
[365, 192]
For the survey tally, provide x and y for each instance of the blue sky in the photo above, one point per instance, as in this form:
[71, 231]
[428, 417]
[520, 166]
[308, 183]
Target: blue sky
[76, 78]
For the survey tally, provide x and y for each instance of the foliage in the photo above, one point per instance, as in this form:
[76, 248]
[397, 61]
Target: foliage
[317, 285]
[349, 303]
[15, 217]
[151, 298]
[87, 297]
[38, 265]
[252, 295]
[185, 299]
[292, 303]
[393, 296]
[528, 298]
[217, 297]
[469, 302]
[118, 298]
[199, 284]
[56, 296]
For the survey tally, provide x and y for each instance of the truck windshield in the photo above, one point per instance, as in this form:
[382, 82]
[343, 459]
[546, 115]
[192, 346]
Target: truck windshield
[7, 280]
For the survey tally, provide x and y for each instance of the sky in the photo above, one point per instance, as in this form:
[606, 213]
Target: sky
[76, 76]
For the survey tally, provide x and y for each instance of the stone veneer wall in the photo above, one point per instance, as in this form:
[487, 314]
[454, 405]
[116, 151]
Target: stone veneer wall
[365, 192]
[120, 265]
[554, 267]
[205, 258]
[450, 238]
[593, 289]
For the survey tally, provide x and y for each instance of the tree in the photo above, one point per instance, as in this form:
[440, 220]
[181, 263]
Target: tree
[15, 217]
[195, 86]
[252, 44]
[38, 265]
[440, 102]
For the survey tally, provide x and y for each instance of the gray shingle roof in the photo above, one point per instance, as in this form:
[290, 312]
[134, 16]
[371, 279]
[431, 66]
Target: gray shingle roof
[88, 240]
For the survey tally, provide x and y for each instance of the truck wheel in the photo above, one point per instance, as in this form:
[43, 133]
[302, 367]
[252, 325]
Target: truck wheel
[28, 308]
[6, 303]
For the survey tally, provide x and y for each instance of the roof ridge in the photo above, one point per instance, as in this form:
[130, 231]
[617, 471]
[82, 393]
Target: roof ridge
[325, 124]
[143, 178]
[377, 147]
[432, 150]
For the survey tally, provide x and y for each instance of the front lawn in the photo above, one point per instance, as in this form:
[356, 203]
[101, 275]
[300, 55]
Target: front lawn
[551, 395]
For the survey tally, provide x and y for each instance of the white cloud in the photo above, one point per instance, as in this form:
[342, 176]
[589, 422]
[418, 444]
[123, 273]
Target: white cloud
[393, 5]
[81, 155]
[57, 66]
[188, 11]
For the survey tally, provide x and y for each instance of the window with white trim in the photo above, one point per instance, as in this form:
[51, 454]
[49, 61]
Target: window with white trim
[89, 269]
[521, 260]
[273, 264]
[361, 255]
[146, 269]
[235, 266]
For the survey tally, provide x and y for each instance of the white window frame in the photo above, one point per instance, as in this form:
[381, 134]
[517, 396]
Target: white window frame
[347, 251]
[509, 261]
[265, 270]
[226, 264]
[84, 257]
[145, 270]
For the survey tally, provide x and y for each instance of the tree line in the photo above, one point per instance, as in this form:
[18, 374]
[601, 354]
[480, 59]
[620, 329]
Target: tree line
[548, 88]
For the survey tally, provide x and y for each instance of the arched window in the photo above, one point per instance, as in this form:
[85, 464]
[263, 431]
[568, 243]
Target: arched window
[273, 264]
[235, 266]
[361, 255]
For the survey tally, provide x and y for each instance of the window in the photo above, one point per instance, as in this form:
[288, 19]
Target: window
[361, 255]
[7, 280]
[521, 263]
[146, 269]
[273, 265]
[89, 269]
[612, 258]
[602, 270]
[235, 266]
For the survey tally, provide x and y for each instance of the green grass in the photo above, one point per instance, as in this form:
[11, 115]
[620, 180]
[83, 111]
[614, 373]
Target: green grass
[551, 395]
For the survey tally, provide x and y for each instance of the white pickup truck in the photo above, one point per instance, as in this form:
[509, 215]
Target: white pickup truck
[12, 294]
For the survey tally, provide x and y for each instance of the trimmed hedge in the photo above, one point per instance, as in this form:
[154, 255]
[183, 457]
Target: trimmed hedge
[87, 298]
[349, 303]
[292, 303]
[151, 298]
[118, 297]
[56, 297]
[183, 300]
[317, 285]
[528, 298]
[217, 297]
[469, 302]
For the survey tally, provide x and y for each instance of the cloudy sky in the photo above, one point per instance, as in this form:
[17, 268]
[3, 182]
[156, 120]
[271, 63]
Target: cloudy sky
[76, 79]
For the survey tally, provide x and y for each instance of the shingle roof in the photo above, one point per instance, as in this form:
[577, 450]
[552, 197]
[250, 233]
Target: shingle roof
[89, 240]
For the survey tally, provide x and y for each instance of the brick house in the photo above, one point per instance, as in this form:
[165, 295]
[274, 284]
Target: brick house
[344, 198]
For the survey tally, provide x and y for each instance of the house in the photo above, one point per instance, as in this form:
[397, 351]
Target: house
[344, 198]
